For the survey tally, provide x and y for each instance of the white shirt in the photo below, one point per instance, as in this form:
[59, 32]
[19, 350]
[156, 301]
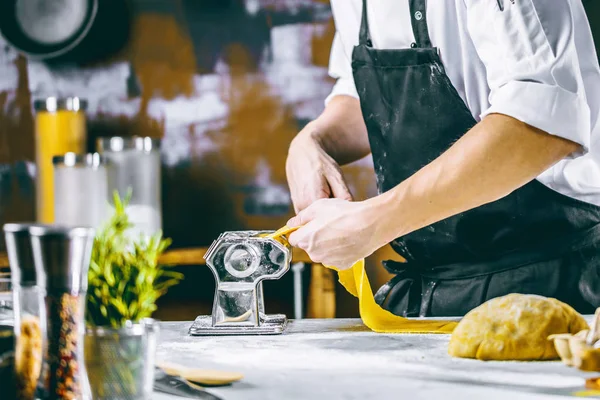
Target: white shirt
[534, 61]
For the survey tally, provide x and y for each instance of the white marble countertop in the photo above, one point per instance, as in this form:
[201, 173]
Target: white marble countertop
[341, 359]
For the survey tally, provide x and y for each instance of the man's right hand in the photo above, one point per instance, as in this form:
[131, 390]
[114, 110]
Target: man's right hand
[312, 174]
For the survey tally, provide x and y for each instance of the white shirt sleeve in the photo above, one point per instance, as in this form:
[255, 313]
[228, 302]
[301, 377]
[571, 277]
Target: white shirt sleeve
[532, 65]
[340, 68]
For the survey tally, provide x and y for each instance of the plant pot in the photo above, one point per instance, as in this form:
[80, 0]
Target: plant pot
[120, 362]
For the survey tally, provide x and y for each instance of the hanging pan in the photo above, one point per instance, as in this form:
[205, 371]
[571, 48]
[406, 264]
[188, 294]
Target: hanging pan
[73, 30]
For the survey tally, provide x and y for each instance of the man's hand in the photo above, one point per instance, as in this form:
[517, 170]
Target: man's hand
[337, 137]
[312, 174]
[337, 232]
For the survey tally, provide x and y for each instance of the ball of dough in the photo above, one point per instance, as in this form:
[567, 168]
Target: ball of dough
[514, 327]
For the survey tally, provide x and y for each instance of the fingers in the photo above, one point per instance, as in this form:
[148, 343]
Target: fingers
[303, 239]
[305, 197]
[294, 238]
[330, 184]
[313, 175]
[303, 217]
[306, 187]
[294, 221]
[338, 186]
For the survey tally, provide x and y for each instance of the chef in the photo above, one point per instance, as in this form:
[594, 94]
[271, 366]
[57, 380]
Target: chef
[482, 118]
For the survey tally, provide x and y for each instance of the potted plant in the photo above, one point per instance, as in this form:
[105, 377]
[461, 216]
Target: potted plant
[124, 282]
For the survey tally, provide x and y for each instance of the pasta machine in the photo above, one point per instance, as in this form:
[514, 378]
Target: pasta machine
[240, 261]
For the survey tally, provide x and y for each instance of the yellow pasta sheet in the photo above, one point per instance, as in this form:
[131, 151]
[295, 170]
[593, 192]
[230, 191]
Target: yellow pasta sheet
[356, 282]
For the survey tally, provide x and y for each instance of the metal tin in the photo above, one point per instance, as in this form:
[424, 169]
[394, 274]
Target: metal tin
[20, 254]
[118, 143]
[53, 104]
[92, 160]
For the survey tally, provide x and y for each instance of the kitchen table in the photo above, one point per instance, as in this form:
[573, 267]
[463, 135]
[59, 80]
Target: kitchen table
[341, 359]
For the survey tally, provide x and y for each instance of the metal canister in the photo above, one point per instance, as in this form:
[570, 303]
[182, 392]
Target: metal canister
[59, 128]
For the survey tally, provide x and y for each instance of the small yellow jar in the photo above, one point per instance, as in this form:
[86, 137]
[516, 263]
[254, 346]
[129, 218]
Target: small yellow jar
[59, 129]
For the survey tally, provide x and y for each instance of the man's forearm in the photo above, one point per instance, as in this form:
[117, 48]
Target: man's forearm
[341, 131]
[497, 156]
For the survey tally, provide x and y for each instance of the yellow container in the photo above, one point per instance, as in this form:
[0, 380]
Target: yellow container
[59, 129]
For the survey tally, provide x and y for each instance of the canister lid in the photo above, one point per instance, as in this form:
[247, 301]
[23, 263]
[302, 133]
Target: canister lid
[90, 160]
[118, 143]
[20, 253]
[52, 104]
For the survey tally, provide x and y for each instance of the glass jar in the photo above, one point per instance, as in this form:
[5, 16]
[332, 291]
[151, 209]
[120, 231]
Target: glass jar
[135, 165]
[29, 310]
[80, 190]
[59, 129]
[29, 321]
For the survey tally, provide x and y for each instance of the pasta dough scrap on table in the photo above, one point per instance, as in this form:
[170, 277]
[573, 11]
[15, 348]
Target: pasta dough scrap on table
[514, 327]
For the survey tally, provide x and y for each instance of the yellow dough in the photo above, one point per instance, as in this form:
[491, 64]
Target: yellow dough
[286, 230]
[356, 282]
[514, 327]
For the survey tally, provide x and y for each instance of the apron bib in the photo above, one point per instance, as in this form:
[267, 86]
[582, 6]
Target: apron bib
[535, 240]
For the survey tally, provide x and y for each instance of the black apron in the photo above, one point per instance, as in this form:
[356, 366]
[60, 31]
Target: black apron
[535, 240]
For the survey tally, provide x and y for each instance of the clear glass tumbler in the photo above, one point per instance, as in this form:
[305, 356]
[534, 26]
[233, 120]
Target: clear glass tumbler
[120, 362]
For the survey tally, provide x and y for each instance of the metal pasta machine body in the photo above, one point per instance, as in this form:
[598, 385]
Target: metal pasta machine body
[240, 261]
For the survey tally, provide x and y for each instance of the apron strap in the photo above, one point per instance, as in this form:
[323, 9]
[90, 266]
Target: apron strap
[418, 19]
[364, 36]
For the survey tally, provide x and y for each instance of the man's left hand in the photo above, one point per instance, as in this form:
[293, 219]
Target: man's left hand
[337, 232]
